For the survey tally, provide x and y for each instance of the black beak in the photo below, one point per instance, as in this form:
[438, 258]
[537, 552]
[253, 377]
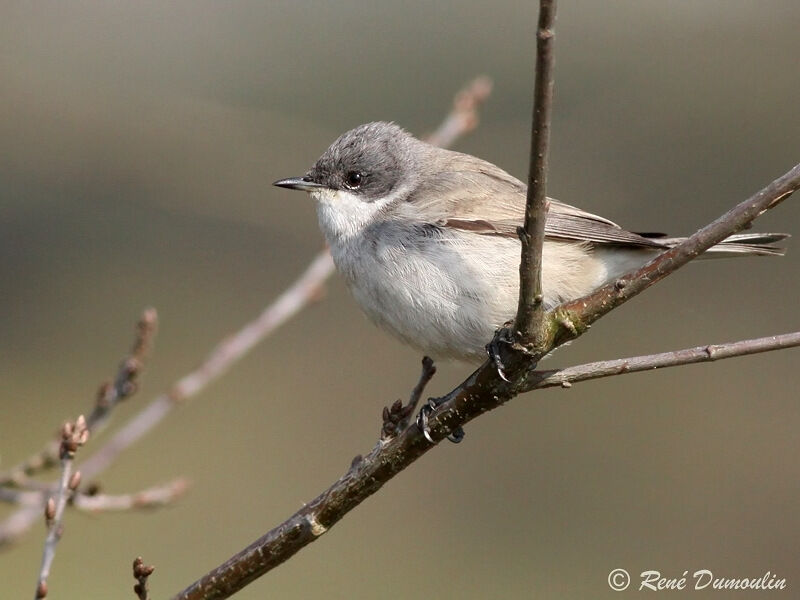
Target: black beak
[299, 183]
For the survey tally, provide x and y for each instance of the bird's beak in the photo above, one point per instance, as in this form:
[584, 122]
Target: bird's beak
[299, 183]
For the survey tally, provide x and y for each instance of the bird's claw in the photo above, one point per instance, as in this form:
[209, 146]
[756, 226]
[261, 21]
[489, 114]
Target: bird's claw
[456, 436]
[493, 350]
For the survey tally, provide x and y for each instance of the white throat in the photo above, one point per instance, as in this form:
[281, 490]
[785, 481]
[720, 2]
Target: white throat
[343, 215]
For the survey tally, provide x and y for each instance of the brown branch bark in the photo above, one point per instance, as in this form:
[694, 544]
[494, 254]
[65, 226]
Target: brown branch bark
[530, 309]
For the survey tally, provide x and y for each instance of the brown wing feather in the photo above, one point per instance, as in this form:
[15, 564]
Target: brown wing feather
[456, 197]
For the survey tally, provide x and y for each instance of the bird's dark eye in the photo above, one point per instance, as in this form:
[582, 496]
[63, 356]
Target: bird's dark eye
[353, 180]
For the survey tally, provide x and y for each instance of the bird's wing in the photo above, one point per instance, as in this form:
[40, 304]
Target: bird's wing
[473, 195]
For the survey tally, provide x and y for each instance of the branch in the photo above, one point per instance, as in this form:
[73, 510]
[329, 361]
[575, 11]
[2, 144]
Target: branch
[109, 395]
[73, 435]
[302, 292]
[463, 117]
[570, 320]
[687, 356]
[295, 298]
[481, 392]
[153, 497]
[530, 309]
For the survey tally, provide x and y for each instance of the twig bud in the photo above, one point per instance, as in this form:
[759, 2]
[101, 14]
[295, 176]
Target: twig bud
[50, 510]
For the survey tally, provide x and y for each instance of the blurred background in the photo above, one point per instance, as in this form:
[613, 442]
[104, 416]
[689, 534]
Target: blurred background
[138, 142]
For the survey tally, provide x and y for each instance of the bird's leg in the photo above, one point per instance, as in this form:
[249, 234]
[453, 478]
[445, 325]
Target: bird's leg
[396, 417]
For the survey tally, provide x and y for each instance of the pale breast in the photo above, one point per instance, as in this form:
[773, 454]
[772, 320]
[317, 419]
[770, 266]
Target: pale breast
[444, 291]
[421, 286]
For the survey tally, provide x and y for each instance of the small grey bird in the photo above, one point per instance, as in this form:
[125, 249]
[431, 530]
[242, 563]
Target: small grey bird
[426, 239]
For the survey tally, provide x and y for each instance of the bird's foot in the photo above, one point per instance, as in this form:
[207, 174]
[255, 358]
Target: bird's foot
[456, 436]
[493, 349]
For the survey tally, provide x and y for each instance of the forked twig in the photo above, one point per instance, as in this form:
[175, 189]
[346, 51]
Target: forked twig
[73, 436]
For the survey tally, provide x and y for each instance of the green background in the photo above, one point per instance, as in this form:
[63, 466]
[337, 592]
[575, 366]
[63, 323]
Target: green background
[138, 142]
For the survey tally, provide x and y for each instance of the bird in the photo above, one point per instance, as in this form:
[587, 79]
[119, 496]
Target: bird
[426, 239]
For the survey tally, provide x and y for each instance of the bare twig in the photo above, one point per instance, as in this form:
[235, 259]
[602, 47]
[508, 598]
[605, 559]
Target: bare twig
[73, 435]
[463, 117]
[289, 303]
[482, 391]
[222, 357]
[530, 309]
[153, 497]
[141, 573]
[126, 382]
[687, 356]
[108, 396]
[395, 418]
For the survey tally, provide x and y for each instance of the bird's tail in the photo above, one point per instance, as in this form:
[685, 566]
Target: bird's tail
[741, 244]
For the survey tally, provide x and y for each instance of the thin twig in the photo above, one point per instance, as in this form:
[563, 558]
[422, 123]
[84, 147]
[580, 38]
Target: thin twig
[109, 395]
[482, 391]
[687, 356]
[464, 116]
[73, 435]
[530, 309]
[395, 418]
[152, 497]
[303, 291]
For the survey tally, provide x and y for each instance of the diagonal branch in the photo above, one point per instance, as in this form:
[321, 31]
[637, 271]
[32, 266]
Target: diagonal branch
[481, 392]
[530, 309]
[463, 117]
[570, 320]
[220, 359]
